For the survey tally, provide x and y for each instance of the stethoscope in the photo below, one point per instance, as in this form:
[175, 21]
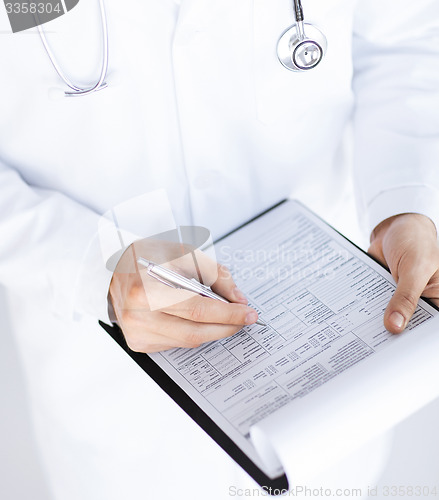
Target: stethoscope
[300, 48]
[77, 90]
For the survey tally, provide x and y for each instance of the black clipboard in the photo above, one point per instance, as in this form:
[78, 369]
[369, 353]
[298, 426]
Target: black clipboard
[187, 404]
[274, 486]
[277, 485]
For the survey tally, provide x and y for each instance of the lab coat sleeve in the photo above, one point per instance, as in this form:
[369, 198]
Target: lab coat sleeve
[58, 250]
[47, 241]
[396, 117]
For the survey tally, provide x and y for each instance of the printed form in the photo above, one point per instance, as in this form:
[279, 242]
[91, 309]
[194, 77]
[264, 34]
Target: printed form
[323, 302]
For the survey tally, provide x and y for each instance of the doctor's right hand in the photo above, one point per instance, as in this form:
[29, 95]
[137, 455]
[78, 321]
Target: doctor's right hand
[155, 317]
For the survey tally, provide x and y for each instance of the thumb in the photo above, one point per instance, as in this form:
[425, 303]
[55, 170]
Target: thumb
[405, 300]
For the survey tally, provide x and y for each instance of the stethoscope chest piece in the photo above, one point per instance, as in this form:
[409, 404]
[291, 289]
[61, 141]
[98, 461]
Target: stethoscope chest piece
[299, 52]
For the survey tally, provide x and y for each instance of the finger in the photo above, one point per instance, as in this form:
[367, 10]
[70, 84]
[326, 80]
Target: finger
[431, 291]
[376, 251]
[179, 332]
[140, 341]
[149, 332]
[226, 287]
[191, 334]
[206, 310]
[130, 322]
[158, 348]
[159, 295]
[411, 284]
[431, 296]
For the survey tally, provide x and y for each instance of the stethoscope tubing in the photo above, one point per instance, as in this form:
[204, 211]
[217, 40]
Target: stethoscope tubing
[76, 90]
[288, 62]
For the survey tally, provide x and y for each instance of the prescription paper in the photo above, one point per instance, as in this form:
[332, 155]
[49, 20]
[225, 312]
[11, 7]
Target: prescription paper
[323, 377]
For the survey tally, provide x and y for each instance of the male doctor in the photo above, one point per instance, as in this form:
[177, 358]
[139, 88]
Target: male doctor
[199, 107]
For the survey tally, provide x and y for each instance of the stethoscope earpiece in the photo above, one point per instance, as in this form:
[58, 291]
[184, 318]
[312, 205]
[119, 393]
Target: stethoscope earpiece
[302, 46]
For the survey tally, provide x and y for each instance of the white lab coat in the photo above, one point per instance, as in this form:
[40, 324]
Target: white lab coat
[197, 105]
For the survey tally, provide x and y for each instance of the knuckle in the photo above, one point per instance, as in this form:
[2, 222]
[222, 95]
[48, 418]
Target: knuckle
[127, 316]
[135, 343]
[135, 293]
[193, 345]
[408, 300]
[198, 312]
[236, 316]
[191, 339]
[148, 348]
[134, 317]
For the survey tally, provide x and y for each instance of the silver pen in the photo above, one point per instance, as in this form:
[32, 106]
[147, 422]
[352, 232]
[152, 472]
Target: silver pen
[175, 280]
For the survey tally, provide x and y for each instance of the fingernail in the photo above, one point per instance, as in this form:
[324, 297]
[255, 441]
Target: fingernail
[239, 295]
[251, 318]
[397, 319]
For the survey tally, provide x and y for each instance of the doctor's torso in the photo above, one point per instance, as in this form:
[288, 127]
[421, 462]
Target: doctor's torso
[197, 103]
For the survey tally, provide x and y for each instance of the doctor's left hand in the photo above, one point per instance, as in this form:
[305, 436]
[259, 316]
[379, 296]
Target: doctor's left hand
[407, 244]
[155, 317]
